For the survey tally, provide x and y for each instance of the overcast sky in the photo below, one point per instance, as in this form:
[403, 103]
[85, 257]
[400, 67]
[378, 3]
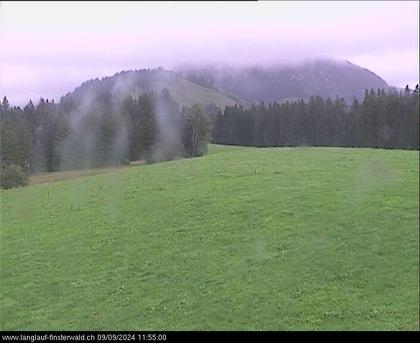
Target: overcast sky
[49, 48]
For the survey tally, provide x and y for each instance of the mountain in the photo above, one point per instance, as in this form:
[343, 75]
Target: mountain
[224, 85]
[328, 78]
[136, 82]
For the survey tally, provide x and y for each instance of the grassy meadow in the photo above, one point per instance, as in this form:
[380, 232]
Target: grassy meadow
[239, 239]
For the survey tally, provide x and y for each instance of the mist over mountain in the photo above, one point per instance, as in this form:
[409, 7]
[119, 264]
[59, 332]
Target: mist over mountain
[225, 85]
[327, 78]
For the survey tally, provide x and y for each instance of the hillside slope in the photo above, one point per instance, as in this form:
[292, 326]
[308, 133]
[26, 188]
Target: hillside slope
[327, 78]
[240, 239]
[184, 92]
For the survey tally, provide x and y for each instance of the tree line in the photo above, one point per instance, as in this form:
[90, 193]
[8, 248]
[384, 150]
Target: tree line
[96, 131]
[381, 120]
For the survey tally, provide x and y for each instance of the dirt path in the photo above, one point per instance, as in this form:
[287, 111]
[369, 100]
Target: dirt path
[74, 174]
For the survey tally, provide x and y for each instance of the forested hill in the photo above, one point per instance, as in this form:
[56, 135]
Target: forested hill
[326, 78]
[184, 92]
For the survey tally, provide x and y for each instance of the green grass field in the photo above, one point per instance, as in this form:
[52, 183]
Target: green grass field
[239, 239]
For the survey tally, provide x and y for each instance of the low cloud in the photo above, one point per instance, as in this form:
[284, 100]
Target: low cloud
[44, 55]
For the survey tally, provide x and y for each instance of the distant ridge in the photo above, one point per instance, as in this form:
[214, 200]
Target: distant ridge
[225, 86]
[327, 78]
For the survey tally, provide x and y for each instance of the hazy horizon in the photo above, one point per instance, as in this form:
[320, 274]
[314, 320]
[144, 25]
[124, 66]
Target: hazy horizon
[49, 48]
